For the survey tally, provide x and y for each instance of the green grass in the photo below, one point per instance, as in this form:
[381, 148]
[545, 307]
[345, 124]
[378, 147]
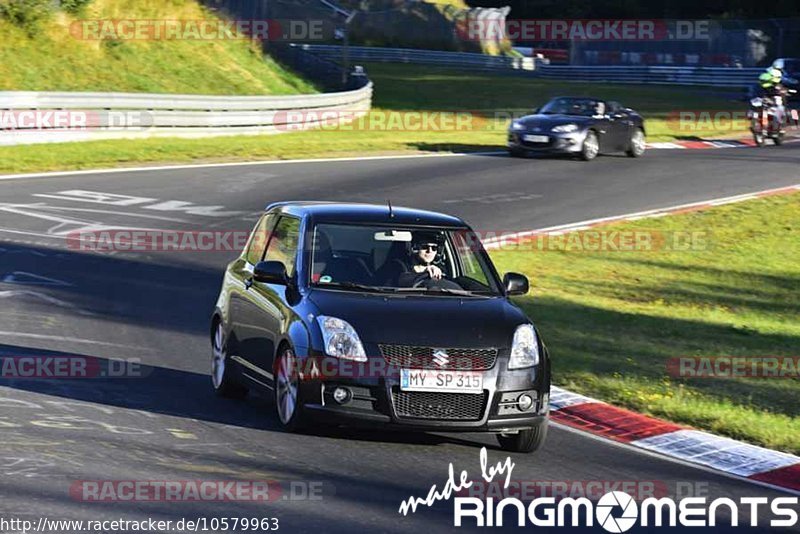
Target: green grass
[612, 319]
[398, 88]
[53, 59]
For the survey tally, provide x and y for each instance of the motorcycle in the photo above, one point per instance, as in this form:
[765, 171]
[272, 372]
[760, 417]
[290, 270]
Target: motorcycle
[768, 119]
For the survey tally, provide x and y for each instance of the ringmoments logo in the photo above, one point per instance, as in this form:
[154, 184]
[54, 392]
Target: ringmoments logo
[615, 511]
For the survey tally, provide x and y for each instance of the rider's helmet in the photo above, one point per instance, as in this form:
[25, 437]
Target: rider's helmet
[776, 73]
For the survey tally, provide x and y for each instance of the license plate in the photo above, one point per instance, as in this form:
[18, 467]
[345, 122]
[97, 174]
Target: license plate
[535, 138]
[449, 381]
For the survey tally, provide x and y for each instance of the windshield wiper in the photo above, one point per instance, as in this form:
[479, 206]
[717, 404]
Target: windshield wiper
[350, 285]
[426, 290]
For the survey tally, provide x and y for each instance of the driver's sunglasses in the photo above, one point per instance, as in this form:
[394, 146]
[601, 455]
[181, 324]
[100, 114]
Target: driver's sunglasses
[429, 246]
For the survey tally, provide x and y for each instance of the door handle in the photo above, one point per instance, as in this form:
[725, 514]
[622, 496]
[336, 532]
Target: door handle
[248, 282]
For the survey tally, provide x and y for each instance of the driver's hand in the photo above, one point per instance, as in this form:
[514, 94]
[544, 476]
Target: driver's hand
[434, 272]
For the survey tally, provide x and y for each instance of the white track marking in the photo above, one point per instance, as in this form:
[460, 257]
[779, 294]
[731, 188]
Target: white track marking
[241, 164]
[658, 212]
[67, 339]
[107, 212]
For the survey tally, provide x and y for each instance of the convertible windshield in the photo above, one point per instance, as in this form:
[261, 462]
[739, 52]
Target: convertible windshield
[585, 107]
[400, 260]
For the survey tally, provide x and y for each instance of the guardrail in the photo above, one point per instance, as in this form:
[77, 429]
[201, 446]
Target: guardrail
[419, 56]
[40, 117]
[656, 74]
[666, 75]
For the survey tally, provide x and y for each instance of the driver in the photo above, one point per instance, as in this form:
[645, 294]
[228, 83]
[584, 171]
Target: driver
[423, 251]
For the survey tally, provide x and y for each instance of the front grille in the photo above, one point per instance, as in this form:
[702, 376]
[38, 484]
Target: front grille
[409, 357]
[445, 406]
[528, 144]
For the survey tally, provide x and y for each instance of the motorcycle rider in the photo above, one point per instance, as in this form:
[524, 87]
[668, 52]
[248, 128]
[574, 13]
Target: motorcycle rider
[772, 87]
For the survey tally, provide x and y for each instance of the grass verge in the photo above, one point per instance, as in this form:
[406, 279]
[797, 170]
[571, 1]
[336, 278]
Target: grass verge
[398, 89]
[55, 56]
[613, 319]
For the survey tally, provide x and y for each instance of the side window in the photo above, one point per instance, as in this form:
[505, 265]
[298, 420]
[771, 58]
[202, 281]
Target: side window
[259, 238]
[466, 246]
[283, 243]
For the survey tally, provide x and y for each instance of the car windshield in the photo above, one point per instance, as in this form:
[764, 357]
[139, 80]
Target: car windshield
[585, 107]
[401, 260]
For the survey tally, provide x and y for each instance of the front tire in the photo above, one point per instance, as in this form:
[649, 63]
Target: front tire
[516, 152]
[527, 440]
[636, 144]
[225, 385]
[778, 139]
[758, 134]
[591, 146]
[288, 401]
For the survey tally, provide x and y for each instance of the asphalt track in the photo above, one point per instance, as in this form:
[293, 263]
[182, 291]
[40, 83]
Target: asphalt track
[168, 425]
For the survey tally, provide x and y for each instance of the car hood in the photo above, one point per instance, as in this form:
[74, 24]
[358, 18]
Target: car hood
[424, 320]
[546, 122]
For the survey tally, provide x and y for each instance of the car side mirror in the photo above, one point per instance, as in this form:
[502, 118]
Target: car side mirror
[270, 272]
[515, 283]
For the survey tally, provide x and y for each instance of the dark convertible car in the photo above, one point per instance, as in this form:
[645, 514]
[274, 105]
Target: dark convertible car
[581, 126]
[359, 314]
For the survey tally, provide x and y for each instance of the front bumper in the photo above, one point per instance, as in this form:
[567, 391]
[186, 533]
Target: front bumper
[564, 143]
[378, 401]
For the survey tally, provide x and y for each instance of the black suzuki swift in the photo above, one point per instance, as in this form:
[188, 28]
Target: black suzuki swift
[358, 314]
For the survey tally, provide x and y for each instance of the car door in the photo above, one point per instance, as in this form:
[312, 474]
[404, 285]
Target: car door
[246, 331]
[271, 307]
[620, 125]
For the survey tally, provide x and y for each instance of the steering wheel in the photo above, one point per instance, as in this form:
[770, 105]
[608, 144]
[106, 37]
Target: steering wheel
[421, 281]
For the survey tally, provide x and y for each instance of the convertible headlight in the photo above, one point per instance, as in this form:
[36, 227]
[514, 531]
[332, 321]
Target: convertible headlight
[565, 128]
[517, 126]
[525, 348]
[341, 339]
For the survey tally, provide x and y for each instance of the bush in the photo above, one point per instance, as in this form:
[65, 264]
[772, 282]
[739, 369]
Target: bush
[26, 14]
[74, 6]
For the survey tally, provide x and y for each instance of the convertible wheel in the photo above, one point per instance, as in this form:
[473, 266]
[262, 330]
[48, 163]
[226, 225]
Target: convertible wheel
[288, 402]
[224, 384]
[516, 153]
[591, 146]
[527, 440]
[637, 144]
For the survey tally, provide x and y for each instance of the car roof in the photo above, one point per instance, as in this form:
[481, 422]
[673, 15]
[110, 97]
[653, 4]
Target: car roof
[330, 212]
[579, 98]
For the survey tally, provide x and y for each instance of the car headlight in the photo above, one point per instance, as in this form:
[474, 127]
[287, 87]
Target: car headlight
[340, 339]
[565, 128]
[517, 126]
[525, 348]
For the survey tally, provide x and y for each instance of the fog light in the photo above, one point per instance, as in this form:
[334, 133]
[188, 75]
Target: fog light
[523, 401]
[342, 395]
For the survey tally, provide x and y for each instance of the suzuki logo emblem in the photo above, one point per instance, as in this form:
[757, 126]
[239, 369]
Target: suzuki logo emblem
[440, 357]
